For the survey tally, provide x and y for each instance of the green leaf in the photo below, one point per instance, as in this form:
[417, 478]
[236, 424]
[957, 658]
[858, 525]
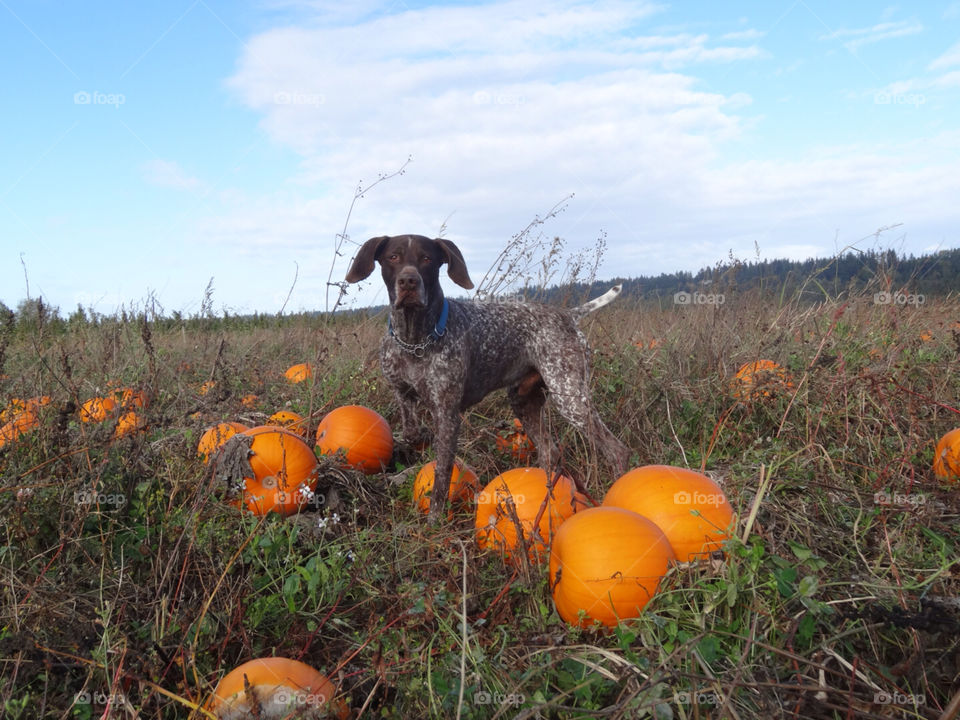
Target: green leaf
[808, 586]
[785, 578]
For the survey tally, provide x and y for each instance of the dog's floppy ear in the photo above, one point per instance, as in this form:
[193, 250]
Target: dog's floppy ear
[456, 267]
[363, 262]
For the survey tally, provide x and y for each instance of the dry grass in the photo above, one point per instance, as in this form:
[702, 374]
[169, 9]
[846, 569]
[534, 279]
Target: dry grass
[832, 604]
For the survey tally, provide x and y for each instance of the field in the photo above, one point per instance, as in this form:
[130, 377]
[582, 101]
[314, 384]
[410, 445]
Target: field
[130, 587]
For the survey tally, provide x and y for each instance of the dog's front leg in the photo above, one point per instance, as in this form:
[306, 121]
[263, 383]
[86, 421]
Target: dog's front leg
[447, 423]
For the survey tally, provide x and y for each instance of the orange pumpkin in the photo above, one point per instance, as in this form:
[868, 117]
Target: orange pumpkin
[299, 372]
[582, 502]
[361, 434]
[96, 409]
[214, 437]
[25, 421]
[249, 400]
[607, 563]
[206, 387]
[129, 422]
[131, 398]
[760, 378]
[289, 420]
[463, 483]
[516, 443]
[280, 687]
[284, 471]
[526, 489]
[689, 507]
[946, 456]
[14, 407]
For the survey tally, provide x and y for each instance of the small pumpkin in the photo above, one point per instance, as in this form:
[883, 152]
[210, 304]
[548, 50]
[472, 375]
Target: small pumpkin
[129, 422]
[25, 421]
[249, 400]
[273, 688]
[290, 420]
[760, 378]
[206, 387]
[525, 489]
[463, 484]
[131, 399]
[299, 372]
[214, 437]
[97, 409]
[606, 563]
[516, 443]
[361, 434]
[689, 507]
[946, 457]
[284, 471]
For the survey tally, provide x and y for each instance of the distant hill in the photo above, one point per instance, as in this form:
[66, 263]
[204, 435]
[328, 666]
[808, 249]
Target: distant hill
[809, 280]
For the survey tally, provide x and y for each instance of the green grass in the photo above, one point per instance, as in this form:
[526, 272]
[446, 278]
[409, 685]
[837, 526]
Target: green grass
[128, 581]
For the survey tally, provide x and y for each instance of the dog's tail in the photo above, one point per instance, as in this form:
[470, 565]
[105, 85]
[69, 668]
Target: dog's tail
[588, 307]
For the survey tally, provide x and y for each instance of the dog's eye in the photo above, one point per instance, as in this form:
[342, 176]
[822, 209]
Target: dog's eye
[425, 260]
[393, 258]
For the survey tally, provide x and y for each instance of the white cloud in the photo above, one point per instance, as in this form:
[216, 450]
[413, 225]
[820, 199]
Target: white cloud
[949, 59]
[875, 33]
[169, 174]
[507, 111]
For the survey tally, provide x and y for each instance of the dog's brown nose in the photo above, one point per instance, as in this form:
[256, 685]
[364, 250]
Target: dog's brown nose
[408, 279]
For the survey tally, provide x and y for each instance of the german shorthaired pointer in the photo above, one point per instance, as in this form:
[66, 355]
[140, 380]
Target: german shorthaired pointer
[449, 355]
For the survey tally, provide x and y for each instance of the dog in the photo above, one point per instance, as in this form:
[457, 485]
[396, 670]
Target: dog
[450, 354]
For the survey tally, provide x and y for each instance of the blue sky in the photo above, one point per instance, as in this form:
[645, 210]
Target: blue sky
[150, 147]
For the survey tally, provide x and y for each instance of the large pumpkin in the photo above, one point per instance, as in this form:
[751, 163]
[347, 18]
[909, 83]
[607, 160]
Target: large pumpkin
[689, 507]
[361, 434]
[525, 490]
[214, 437]
[760, 378]
[946, 456]
[299, 372]
[607, 563]
[463, 483]
[273, 688]
[284, 471]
